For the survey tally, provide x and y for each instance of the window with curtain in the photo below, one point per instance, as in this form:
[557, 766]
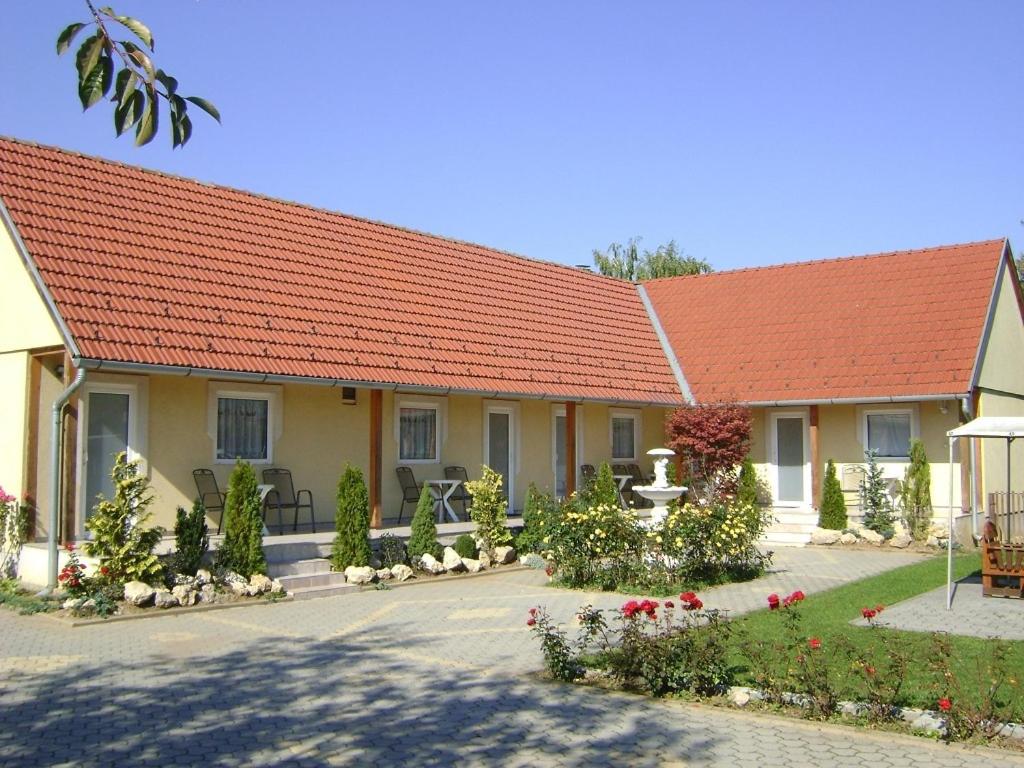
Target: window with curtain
[889, 434]
[242, 428]
[623, 437]
[417, 434]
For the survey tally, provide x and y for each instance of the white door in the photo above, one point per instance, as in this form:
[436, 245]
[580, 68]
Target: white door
[499, 439]
[106, 433]
[791, 468]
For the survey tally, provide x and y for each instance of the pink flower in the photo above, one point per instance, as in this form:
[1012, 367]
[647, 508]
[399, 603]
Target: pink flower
[773, 601]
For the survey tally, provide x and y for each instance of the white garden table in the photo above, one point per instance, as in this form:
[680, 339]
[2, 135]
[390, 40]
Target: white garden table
[442, 491]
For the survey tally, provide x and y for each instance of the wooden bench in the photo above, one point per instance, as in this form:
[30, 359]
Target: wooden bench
[1002, 565]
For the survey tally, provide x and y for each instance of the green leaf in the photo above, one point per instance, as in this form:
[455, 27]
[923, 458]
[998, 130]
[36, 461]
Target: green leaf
[204, 105]
[127, 80]
[168, 82]
[129, 113]
[139, 29]
[139, 56]
[65, 37]
[146, 129]
[186, 129]
[88, 56]
[96, 84]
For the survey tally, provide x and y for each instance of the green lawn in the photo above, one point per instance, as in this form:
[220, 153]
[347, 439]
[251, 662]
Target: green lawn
[826, 615]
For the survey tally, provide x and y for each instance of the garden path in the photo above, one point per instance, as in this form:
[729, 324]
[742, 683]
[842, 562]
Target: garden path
[432, 674]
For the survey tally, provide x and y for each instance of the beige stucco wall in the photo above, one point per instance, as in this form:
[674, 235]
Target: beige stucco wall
[26, 323]
[14, 396]
[1002, 366]
[993, 450]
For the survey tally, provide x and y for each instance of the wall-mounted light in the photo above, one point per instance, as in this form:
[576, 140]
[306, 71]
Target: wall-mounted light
[943, 407]
[58, 371]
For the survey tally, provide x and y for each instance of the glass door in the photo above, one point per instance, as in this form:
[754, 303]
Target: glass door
[789, 459]
[499, 448]
[106, 435]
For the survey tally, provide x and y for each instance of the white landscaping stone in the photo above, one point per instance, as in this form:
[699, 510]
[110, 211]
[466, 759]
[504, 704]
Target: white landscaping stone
[383, 574]
[484, 558]
[452, 561]
[207, 594]
[260, 582]
[164, 598]
[355, 574]
[471, 565]
[276, 587]
[825, 536]
[203, 576]
[739, 696]
[848, 538]
[138, 593]
[401, 571]
[929, 723]
[185, 594]
[900, 541]
[429, 563]
[240, 588]
[71, 602]
[533, 560]
[504, 555]
[871, 537]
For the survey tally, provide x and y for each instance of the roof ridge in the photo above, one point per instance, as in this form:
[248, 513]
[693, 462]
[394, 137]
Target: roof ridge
[832, 260]
[309, 207]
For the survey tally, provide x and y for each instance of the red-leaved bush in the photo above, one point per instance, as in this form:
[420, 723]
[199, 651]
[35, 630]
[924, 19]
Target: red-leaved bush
[712, 437]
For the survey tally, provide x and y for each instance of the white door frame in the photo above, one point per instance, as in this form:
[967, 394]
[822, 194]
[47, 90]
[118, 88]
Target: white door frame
[773, 455]
[512, 409]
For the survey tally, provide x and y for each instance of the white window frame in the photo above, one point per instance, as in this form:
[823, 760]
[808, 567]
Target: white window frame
[512, 409]
[556, 411]
[237, 391]
[137, 389]
[637, 419]
[436, 404]
[773, 457]
[915, 428]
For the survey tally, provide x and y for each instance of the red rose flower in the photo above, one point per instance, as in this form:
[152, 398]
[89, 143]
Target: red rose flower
[530, 622]
[104, 570]
[773, 601]
[687, 597]
[879, 608]
[631, 609]
[69, 546]
[868, 613]
[945, 704]
[669, 604]
[869, 671]
[814, 643]
[533, 611]
[797, 596]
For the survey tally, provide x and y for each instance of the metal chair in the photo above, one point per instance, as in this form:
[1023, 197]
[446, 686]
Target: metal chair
[411, 490]
[460, 493]
[209, 493]
[588, 473]
[284, 496]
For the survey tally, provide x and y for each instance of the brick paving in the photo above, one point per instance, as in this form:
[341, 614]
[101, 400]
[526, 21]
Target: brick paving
[433, 674]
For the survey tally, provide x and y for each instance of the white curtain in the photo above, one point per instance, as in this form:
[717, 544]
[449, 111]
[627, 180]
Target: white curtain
[623, 446]
[889, 434]
[418, 434]
[241, 428]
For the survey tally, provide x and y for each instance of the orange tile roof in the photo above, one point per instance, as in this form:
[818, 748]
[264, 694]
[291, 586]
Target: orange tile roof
[889, 325]
[152, 269]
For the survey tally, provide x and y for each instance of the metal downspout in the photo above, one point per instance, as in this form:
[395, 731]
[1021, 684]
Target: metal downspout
[56, 448]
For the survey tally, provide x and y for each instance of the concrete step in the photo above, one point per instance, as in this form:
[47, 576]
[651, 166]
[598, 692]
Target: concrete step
[279, 568]
[795, 517]
[786, 539]
[287, 551]
[324, 590]
[301, 581]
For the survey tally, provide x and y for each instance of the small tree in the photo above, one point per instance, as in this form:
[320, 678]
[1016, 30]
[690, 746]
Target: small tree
[351, 521]
[423, 540]
[832, 514]
[713, 438]
[242, 548]
[120, 542]
[874, 498]
[192, 539]
[602, 489]
[747, 485]
[538, 515]
[489, 509]
[916, 493]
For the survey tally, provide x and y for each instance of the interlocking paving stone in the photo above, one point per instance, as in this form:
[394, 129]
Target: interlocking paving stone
[384, 678]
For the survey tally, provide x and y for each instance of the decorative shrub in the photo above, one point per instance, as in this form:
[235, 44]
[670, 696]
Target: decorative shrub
[351, 522]
[560, 658]
[602, 490]
[391, 550]
[875, 498]
[13, 532]
[710, 540]
[712, 438]
[832, 514]
[242, 548]
[489, 510]
[465, 545]
[594, 545]
[539, 512]
[120, 542]
[192, 539]
[423, 539]
[916, 492]
[747, 486]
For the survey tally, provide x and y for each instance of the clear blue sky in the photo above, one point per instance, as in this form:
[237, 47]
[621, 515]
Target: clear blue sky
[751, 132]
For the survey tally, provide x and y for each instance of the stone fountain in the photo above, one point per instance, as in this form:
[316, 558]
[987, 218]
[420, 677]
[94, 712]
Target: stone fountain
[660, 492]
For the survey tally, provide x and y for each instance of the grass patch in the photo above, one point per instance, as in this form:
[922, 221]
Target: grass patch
[826, 615]
[13, 597]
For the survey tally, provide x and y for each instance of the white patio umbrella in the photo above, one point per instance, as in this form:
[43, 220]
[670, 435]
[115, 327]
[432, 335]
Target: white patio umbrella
[1007, 428]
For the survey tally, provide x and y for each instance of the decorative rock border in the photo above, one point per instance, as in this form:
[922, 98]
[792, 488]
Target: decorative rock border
[938, 537]
[451, 563]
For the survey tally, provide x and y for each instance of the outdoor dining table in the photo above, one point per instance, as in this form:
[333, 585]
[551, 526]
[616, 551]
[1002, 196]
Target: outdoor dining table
[264, 489]
[442, 491]
[622, 480]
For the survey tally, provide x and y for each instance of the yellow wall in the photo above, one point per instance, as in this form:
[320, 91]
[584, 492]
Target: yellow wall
[993, 450]
[26, 322]
[1002, 365]
[14, 395]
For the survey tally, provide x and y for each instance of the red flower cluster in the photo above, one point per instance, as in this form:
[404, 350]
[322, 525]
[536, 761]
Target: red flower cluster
[633, 608]
[870, 613]
[945, 704]
[773, 601]
[814, 643]
[796, 597]
[669, 604]
[691, 602]
[533, 617]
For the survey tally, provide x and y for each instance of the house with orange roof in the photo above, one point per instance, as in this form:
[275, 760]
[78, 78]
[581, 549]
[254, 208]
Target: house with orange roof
[189, 324]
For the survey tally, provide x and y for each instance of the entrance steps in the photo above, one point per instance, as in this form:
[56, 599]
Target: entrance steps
[303, 568]
[791, 527]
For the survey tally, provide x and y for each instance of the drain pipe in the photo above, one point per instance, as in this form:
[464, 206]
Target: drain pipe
[55, 496]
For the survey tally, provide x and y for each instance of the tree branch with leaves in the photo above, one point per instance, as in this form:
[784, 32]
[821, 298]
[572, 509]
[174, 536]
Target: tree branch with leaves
[138, 84]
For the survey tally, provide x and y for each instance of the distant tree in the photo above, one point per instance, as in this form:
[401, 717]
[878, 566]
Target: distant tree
[832, 514]
[626, 261]
[138, 85]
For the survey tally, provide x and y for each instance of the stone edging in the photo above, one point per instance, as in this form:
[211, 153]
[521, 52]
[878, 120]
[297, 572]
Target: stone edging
[85, 621]
[419, 580]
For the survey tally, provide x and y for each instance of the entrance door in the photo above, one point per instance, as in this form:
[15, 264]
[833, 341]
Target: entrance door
[789, 459]
[499, 447]
[106, 435]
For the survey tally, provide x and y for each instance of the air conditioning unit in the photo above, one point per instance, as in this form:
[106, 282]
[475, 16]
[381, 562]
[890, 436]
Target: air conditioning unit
[348, 395]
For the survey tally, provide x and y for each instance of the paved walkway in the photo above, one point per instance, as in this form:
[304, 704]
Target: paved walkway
[434, 674]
